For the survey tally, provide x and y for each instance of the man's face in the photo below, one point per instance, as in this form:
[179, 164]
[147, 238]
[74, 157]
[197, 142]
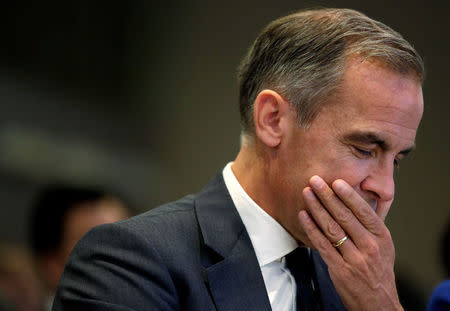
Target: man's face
[79, 220]
[85, 216]
[363, 131]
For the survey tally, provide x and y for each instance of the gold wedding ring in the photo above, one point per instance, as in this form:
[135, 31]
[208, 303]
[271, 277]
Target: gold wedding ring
[340, 242]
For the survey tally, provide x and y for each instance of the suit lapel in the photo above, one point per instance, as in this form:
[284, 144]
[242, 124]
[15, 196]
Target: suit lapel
[235, 280]
[330, 298]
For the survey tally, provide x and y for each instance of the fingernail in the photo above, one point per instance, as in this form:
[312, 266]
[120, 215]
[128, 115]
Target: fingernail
[340, 186]
[303, 215]
[316, 182]
[308, 193]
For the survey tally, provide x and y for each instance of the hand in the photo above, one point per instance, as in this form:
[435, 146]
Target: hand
[362, 268]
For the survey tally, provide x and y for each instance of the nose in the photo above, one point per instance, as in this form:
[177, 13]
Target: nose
[380, 182]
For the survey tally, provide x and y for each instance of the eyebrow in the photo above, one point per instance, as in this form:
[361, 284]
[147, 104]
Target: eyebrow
[370, 138]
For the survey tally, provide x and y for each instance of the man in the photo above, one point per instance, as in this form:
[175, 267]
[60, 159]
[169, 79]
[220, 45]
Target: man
[61, 215]
[330, 101]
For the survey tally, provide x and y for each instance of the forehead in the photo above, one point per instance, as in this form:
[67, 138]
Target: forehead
[372, 77]
[374, 97]
[369, 87]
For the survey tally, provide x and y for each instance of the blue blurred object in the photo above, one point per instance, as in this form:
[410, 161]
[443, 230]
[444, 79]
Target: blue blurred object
[440, 298]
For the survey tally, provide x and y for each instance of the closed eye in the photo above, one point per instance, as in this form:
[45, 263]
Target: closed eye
[363, 152]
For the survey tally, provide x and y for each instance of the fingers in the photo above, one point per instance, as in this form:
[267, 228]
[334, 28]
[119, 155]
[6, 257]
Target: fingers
[341, 215]
[319, 241]
[383, 210]
[364, 262]
[329, 227]
[373, 221]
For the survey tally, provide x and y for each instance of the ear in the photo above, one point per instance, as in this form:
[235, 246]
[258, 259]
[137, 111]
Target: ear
[270, 117]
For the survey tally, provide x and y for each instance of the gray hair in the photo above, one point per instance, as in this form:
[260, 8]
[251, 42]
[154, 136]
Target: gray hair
[302, 56]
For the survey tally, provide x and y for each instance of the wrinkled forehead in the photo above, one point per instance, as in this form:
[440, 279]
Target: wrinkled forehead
[375, 98]
[376, 86]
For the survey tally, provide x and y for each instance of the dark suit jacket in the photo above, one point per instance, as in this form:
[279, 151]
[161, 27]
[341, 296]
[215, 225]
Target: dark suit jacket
[192, 254]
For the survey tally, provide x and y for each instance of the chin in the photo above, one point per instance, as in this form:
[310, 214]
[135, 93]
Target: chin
[307, 243]
[303, 240]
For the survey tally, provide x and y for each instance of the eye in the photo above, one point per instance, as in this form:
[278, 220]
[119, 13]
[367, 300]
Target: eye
[363, 152]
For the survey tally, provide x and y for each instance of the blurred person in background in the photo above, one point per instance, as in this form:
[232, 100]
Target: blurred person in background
[20, 288]
[440, 298]
[60, 216]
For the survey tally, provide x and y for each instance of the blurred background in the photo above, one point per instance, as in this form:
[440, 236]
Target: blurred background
[141, 97]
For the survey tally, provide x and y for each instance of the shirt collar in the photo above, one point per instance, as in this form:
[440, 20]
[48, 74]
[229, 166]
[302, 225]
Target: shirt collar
[270, 240]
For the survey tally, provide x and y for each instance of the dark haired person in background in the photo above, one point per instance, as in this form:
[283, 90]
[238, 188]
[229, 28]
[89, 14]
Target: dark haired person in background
[330, 102]
[60, 216]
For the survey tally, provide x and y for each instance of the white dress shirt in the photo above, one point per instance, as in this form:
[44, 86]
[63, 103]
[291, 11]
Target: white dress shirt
[271, 243]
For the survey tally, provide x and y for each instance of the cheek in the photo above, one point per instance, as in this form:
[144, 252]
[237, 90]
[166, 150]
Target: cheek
[350, 169]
